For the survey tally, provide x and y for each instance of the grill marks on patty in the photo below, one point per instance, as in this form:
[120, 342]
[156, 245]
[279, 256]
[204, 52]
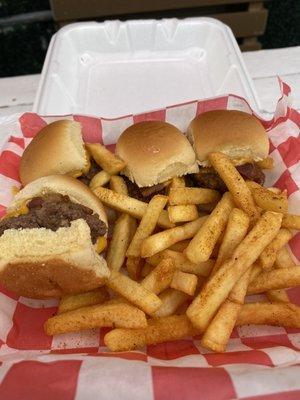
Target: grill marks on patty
[55, 211]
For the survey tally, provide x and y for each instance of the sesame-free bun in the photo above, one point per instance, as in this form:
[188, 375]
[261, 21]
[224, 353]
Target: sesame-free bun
[239, 135]
[155, 151]
[41, 263]
[57, 149]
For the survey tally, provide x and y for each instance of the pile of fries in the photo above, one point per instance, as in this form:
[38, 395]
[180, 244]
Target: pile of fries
[182, 264]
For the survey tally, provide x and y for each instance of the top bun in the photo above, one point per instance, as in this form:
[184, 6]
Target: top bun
[63, 184]
[57, 149]
[155, 151]
[239, 135]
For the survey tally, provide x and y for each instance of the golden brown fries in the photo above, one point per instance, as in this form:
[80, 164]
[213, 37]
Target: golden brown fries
[74, 301]
[103, 157]
[107, 314]
[100, 179]
[129, 205]
[277, 296]
[134, 292]
[118, 185]
[268, 200]
[291, 221]
[275, 279]
[147, 268]
[235, 183]
[162, 240]
[171, 300]
[147, 224]
[236, 230]
[268, 256]
[158, 330]
[284, 259]
[218, 287]
[182, 213]
[187, 195]
[134, 267]
[177, 182]
[161, 277]
[184, 282]
[277, 314]
[123, 231]
[179, 246]
[266, 163]
[203, 243]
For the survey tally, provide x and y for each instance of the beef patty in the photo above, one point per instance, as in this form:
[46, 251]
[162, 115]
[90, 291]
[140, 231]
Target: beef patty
[144, 193]
[55, 211]
[94, 169]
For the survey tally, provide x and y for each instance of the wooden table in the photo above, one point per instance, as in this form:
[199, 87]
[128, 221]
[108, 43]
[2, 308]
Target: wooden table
[17, 93]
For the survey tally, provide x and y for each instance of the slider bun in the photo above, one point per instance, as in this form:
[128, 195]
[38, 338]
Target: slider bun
[155, 151]
[239, 135]
[57, 149]
[41, 263]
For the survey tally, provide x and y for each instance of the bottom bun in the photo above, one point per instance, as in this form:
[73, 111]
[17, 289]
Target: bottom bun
[40, 263]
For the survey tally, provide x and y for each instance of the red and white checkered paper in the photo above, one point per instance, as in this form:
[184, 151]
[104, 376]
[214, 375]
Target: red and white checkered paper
[260, 363]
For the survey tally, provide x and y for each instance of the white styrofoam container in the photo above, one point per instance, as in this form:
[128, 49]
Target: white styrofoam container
[117, 68]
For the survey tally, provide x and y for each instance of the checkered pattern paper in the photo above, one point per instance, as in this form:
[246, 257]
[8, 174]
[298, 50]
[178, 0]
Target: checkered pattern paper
[261, 363]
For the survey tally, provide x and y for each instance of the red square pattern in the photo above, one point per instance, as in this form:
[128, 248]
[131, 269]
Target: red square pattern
[17, 140]
[192, 384]
[286, 182]
[263, 342]
[294, 395]
[159, 115]
[294, 244]
[290, 151]
[172, 350]
[9, 164]
[91, 128]
[238, 357]
[212, 104]
[31, 124]
[27, 332]
[32, 380]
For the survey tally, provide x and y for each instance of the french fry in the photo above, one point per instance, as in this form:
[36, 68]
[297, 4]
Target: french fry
[118, 185]
[266, 163]
[123, 231]
[236, 230]
[162, 240]
[171, 300]
[177, 182]
[218, 287]
[161, 277]
[147, 268]
[277, 314]
[134, 292]
[239, 290]
[182, 263]
[184, 282]
[203, 243]
[235, 183]
[134, 267]
[268, 200]
[104, 315]
[103, 157]
[275, 279]
[147, 224]
[276, 190]
[74, 301]
[277, 296]
[159, 330]
[179, 246]
[268, 256]
[284, 259]
[189, 195]
[291, 221]
[182, 213]
[100, 179]
[129, 205]
[255, 271]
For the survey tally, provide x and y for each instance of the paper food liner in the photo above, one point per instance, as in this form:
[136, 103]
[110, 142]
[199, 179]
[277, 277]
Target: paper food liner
[261, 362]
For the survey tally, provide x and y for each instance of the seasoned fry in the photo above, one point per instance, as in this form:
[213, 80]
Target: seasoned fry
[177, 182]
[134, 292]
[74, 301]
[184, 282]
[158, 330]
[235, 184]
[218, 287]
[100, 179]
[284, 259]
[179, 246]
[162, 240]
[161, 277]
[268, 200]
[239, 290]
[147, 224]
[277, 314]
[275, 279]
[268, 256]
[203, 243]
[291, 221]
[182, 263]
[118, 185]
[236, 230]
[189, 195]
[107, 314]
[182, 213]
[134, 266]
[255, 271]
[277, 296]
[103, 157]
[129, 205]
[266, 163]
[171, 300]
[123, 231]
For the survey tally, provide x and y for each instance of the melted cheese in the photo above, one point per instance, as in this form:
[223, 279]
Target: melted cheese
[101, 244]
[23, 209]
